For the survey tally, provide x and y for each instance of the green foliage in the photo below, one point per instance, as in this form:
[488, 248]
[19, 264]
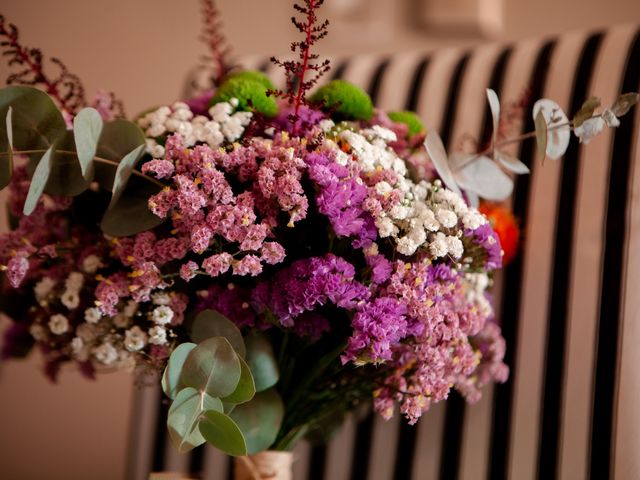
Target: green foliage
[173, 370]
[255, 76]
[251, 96]
[345, 100]
[223, 433]
[87, 127]
[38, 181]
[259, 420]
[586, 111]
[246, 388]
[210, 323]
[262, 361]
[410, 119]
[541, 134]
[6, 165]
[184, 417]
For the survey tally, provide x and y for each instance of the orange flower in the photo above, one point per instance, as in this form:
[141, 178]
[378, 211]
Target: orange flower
[506, 226]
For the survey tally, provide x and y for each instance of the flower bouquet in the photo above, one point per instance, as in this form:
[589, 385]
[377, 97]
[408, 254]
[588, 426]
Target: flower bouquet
[278, 257]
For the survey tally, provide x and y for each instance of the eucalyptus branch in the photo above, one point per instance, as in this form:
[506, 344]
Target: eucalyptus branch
[105, 161]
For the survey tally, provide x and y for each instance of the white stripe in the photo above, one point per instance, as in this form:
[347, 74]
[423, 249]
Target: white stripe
[397, 81]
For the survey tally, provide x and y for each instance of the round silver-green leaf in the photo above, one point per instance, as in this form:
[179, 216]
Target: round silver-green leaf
[222, 432]
[184, 416]
[246, 388]
[173, 370]
[262, 361]
[260, 420]
[210, 323]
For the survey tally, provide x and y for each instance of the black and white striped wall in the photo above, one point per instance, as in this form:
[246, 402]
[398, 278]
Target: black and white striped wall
[569, 305]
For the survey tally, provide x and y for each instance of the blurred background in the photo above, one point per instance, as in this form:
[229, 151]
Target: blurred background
[142, 50]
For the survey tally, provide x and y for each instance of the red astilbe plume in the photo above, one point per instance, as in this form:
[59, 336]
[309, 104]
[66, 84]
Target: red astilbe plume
[298, 84]
[65, 88]
[212, 36]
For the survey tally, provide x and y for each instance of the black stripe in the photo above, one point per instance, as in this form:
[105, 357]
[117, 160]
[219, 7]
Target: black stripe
[511, 297]
[450, 110]
[362, 448]
[417, 82]
[317, 462]
[338, 72]
[196, 463]
[552, 387]
[160, 434]
[611, 295]
[376, 80]
[405, 451]
[231, 468]
[453, 431]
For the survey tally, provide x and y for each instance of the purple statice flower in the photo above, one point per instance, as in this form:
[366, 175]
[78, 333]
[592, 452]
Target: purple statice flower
[232, 301]
[307, 118]
[486, 238]
[188, 270]
[217, 264]
[160, 168]
[340, 197]
[200, 105]
[377, 326]
[381, 268]
[248, 265]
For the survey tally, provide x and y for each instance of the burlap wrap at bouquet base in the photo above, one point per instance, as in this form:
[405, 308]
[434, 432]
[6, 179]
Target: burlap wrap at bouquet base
[267, 465]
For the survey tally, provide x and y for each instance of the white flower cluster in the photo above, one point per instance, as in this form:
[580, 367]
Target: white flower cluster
[427, 215]
[477, 285]
[224, 125]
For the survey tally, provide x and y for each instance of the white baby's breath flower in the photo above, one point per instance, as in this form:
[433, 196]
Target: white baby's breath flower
[157, 335]
[38, 332]
[473, 219]
[70, 299]
[162, 315]
[446, 217]
[383, 188]
[58, 324]
[92, 315]
[406, 246]
[91, 264]
[135, 339]
[385, 226]
[455, 247]
[74, 281]
[43, 288]
[438, 246]
[77, 346]
[105, 354]
[161, 298]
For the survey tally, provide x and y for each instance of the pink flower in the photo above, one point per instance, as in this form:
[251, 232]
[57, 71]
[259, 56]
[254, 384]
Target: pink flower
[249, 265]
[188, 270]
[200, 238]
[272, 252]
[217, 264]
[254, 237]
[17, 269]
[161, 168]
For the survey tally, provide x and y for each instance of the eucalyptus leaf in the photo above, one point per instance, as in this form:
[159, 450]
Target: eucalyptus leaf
[36, 120]
[541, 135]
[171, 376]
[210, 323]
[586, 111]
[262, 361]
[438, 155]
[485, 178]
[557, 133]
[87, 128]
[223, 433]
[131, 214]
[213, 366]
[38, 181]
[6, 162]
[511, 163]
[246, 388]
[184, 416]
[624, 103]
[260, 420]
[494, 105]
[123, 173]
[66, 177]
[118, 138]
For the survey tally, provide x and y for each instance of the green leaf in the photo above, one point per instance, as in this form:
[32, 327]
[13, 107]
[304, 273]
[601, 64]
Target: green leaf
[586, 111]
[6, 163]
[439, 159]
[261, 361]
[123, 172]
[624, 103]
[118, 138]
[36, 120]
[246, 388]
[213, 366]
[210, 323]
[66, 177]
[131, 214]
[38, 181]
[222, 432]
[260, 420]
[87, 127]
[494, 106]
[184, 416]
[173, 370]
[541, 134]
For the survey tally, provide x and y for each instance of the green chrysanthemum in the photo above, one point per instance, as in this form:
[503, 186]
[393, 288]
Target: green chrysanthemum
[255, 76]
[411, 120]
[345, 100]
[251, 95]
